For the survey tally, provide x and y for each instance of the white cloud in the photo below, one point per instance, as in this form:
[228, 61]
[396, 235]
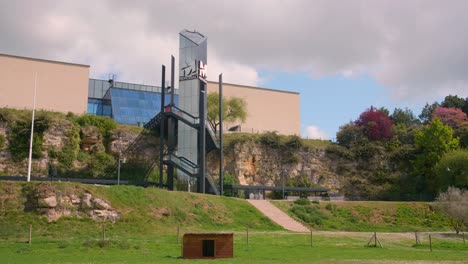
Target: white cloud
[416, 49]
[314, 132]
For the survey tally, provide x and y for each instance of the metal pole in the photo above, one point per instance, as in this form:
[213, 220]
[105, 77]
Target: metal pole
[282, 176]
[32, 128]
[171, 130]
[221, 154]
[172, 79]
[202, 140]
[161, 127]
[118, 172]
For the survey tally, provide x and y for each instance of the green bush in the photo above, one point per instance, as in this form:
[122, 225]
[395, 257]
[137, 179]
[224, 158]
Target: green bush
[270, 139]
[309, 214]
[66, 156]
[331, 207]
[2, 141]
[19, 141]
[98, 165]
[302, 201]
[294, 142]
[104, 124]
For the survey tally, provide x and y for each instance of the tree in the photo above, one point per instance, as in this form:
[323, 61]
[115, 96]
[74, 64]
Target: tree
[452, 117]
[234, 109]
[427, 111]
[453, 101]
[432, 143]
[452, 170]
[454, 203]
[404, 117]
[462, 133]
[348, 134]
[376, 124]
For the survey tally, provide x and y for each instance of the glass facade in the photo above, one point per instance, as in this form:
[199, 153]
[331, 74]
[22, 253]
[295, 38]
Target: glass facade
[100, 107]
[126, 103]
[133, 107]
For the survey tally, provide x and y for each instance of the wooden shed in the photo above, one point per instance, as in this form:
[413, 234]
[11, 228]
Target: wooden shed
[208, 245]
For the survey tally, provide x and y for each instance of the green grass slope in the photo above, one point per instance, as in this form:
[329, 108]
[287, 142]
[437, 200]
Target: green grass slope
[368, 216]
[144, 212]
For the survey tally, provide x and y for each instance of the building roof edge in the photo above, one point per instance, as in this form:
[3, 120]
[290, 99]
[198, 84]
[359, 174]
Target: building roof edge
[258, 88]
[43, 60]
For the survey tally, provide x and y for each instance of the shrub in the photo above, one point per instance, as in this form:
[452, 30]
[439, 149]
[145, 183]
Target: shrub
[309, 214]
[2, 141]
[270, 139]
[331, 207]
[19, 141]
[98, 165]
[302, 201]
[104, 124]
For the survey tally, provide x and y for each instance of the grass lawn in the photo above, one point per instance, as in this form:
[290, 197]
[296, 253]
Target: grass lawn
[277, 247]
[368, 216]
[146, 231]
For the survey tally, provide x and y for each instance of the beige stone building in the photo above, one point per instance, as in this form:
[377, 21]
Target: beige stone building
[60, 86]
[267, 109]
[66, 87]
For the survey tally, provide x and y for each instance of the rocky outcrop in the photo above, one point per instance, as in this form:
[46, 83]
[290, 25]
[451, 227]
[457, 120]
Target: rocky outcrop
[55, 205]
[255, 164]
[91, 139]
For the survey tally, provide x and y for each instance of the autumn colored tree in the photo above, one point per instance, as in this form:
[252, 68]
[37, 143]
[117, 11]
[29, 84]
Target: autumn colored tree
[452, 117]
[375, 124]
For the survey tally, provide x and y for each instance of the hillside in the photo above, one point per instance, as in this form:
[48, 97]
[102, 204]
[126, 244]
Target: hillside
[140, 211]
[367, 216]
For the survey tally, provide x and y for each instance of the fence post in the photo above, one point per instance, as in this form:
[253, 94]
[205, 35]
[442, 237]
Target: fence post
[103, 232]
[430, 242]
[30, 234]
[178, 232]
[247, 237]
[311, 242]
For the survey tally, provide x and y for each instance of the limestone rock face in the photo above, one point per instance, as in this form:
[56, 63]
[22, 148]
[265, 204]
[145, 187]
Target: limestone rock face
[47, 202]
[74, 199]
[101, 204]
[110, 215]
[55, 204]
[86, 201]
[255, 164]
[91, 139]
[56, 136]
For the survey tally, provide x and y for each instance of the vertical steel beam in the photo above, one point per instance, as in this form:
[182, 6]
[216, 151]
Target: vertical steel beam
[221, 154]
[171, 130]
[161, 127]
[201, 138]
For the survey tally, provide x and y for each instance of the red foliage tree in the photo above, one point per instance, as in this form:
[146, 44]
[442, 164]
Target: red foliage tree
[452, 117]
[376, 124]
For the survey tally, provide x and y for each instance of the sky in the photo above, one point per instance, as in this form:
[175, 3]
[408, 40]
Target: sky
[341, 56]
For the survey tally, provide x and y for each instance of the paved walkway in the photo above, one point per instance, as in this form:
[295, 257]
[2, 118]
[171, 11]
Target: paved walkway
[278, 216]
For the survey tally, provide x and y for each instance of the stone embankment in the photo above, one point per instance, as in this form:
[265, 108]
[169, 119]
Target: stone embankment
[55, 205]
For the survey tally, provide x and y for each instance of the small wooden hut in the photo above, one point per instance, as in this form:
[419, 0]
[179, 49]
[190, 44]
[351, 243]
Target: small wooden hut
[208, 245]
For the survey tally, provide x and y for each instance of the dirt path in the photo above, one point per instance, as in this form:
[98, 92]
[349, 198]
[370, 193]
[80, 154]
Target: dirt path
[278, 216]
